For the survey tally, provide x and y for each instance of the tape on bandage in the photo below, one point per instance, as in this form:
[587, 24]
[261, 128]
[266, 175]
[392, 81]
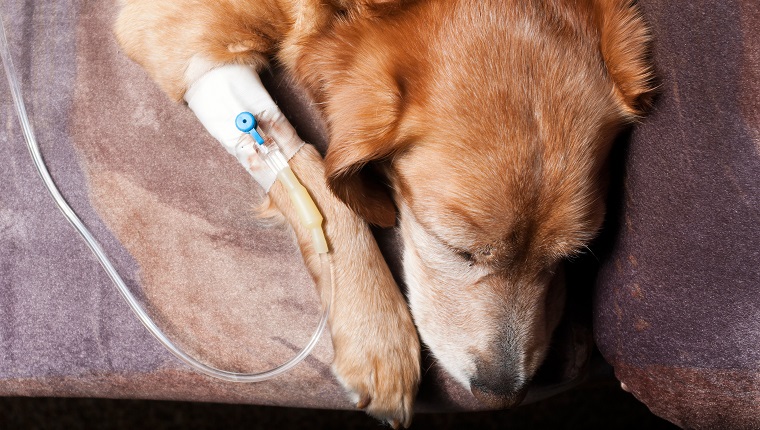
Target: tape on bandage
[221, 94]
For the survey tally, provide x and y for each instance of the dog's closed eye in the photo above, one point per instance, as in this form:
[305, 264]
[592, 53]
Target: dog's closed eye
[465, 255]
[481, 255]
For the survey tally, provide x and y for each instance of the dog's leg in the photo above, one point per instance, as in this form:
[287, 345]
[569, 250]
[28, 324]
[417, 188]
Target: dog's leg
[177, 41]
[376, 345]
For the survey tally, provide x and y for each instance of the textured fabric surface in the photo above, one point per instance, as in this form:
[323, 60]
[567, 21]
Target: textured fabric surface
[169, 209]
[677, 309]
[175, 212]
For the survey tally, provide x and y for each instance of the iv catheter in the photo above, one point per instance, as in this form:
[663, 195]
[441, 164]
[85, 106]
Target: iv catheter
[307, 210]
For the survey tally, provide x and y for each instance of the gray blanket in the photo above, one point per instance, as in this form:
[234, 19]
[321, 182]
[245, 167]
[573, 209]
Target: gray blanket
[677, 308]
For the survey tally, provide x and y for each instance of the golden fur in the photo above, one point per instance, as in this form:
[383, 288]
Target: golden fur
[483, 124]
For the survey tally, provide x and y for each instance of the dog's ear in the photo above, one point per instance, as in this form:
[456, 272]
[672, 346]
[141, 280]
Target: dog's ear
[624, 43]
[364, 135]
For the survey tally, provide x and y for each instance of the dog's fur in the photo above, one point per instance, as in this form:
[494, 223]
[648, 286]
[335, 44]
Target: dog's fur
[483, 124]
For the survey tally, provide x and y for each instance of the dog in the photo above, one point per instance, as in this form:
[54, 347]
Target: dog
[481, 127]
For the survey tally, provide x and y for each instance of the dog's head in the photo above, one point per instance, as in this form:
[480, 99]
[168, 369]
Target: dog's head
[485, 127]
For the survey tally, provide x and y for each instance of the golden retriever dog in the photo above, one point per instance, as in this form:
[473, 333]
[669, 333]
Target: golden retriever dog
[481, 127]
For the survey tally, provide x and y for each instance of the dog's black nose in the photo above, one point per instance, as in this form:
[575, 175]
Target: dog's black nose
[497, 398]
[498, 385]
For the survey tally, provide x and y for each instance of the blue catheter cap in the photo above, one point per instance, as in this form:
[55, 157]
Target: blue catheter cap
[246, 123]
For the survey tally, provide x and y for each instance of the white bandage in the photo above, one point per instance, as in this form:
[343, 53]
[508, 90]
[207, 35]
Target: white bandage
[221, 94]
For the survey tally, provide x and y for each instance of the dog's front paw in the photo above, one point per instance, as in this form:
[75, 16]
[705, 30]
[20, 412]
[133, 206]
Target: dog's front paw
[379, 365]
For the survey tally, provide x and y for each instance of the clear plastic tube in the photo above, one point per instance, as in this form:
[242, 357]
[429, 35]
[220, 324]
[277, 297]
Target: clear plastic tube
[93, 244]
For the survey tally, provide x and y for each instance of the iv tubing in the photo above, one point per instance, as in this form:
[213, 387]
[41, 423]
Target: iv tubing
[92, 243]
